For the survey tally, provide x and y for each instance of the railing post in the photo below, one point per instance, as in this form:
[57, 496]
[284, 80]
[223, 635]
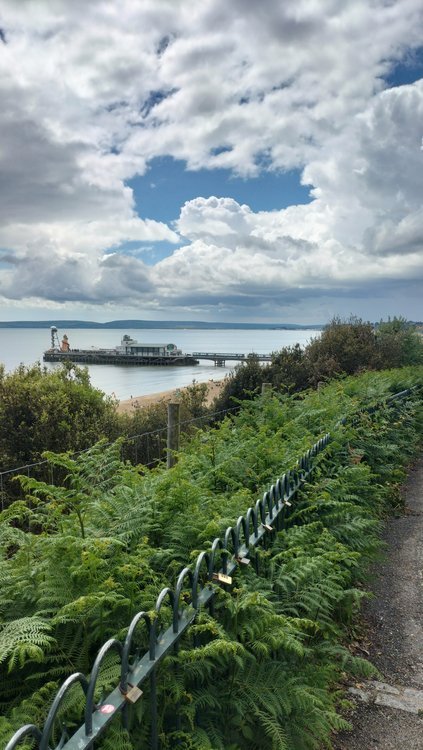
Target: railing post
[173, 430]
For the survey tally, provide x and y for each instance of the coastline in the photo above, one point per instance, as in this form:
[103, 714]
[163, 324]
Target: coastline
[127, 405]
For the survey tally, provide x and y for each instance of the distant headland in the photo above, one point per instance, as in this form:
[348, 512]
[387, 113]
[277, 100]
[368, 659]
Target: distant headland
[156, 324]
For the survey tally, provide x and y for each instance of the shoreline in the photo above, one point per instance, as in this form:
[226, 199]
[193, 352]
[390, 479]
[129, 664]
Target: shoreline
[125, 406]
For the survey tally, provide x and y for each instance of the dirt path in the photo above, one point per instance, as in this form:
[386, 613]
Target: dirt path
[389, 715]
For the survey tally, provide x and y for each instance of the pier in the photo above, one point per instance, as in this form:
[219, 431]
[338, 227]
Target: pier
[135, 353]
[129, 352]
[112, 358]
[219, 358]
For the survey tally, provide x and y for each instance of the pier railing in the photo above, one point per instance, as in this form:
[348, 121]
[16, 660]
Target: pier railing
[195, 589]
[219, 358]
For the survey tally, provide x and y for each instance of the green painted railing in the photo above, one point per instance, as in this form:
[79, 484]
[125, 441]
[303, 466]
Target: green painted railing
[212, 568]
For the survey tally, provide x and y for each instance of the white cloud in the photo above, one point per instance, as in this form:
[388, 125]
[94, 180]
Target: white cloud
[92, 91]
[364, 227]
[214, 217]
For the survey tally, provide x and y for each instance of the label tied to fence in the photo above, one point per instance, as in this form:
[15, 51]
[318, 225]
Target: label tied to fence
[287, 503]
[222, 578]
[243, 560]
[107, 708]
[133, 694]
[267, 526]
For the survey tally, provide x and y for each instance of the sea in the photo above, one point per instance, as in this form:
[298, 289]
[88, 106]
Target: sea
[26, 346]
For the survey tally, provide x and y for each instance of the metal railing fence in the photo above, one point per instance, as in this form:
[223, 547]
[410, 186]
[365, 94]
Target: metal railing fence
[212, 568]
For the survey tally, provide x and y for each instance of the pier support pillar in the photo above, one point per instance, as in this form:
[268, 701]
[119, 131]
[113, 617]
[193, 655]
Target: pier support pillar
[173, 430]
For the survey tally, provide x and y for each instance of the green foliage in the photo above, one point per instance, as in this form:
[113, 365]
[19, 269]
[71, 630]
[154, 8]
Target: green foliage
[244, 382]
[83, 554]
[45, 411]
[145, 427]
[398, 343]
[290, 369]
[344, 347]
[24, 639]
[42, 410]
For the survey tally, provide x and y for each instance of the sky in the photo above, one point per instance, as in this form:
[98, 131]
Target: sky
[222, 160]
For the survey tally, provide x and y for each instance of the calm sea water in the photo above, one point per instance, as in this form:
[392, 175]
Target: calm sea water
[27, 346]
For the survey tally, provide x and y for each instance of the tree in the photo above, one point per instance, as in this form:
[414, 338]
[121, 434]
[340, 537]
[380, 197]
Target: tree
[398, 343]
[345, 346]
[58, 411]
[242, 383]
[290, 369]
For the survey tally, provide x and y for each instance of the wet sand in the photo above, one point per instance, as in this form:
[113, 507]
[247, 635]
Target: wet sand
[125, 407]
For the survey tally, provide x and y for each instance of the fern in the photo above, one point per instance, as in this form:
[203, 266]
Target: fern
[80, 557]
[25, 639]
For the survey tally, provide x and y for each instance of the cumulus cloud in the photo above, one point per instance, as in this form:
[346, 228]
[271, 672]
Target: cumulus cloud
[362, 231]
[92, 92]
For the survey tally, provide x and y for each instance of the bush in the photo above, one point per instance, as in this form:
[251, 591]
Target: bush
[58, 411]
[244, 382]
[145, 428]
[398, 344]
[344, 347]
[290, 369]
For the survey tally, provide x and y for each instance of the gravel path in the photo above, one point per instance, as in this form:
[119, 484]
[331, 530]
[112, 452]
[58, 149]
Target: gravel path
[394, 620]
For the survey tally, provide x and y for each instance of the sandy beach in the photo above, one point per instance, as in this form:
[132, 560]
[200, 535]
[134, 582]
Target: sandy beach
[124, 407]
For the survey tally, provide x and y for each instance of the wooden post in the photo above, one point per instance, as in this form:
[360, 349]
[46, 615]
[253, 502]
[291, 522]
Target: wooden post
[266, 388]
[172, 433]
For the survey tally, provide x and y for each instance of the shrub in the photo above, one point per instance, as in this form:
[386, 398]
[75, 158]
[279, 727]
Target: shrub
[43, 410]
[343, 347]
[398, 344]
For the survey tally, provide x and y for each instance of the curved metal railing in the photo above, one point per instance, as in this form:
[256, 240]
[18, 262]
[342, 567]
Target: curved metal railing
[212, 568]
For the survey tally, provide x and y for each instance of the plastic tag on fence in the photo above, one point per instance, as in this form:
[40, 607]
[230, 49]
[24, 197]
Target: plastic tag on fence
[107, 708]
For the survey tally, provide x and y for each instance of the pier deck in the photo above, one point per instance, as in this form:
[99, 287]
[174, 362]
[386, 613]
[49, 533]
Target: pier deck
[105, 357]
[110, 358]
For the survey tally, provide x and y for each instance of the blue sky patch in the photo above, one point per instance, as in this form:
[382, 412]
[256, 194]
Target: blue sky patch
[409, 70]
[162, 191]
[149, 252]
